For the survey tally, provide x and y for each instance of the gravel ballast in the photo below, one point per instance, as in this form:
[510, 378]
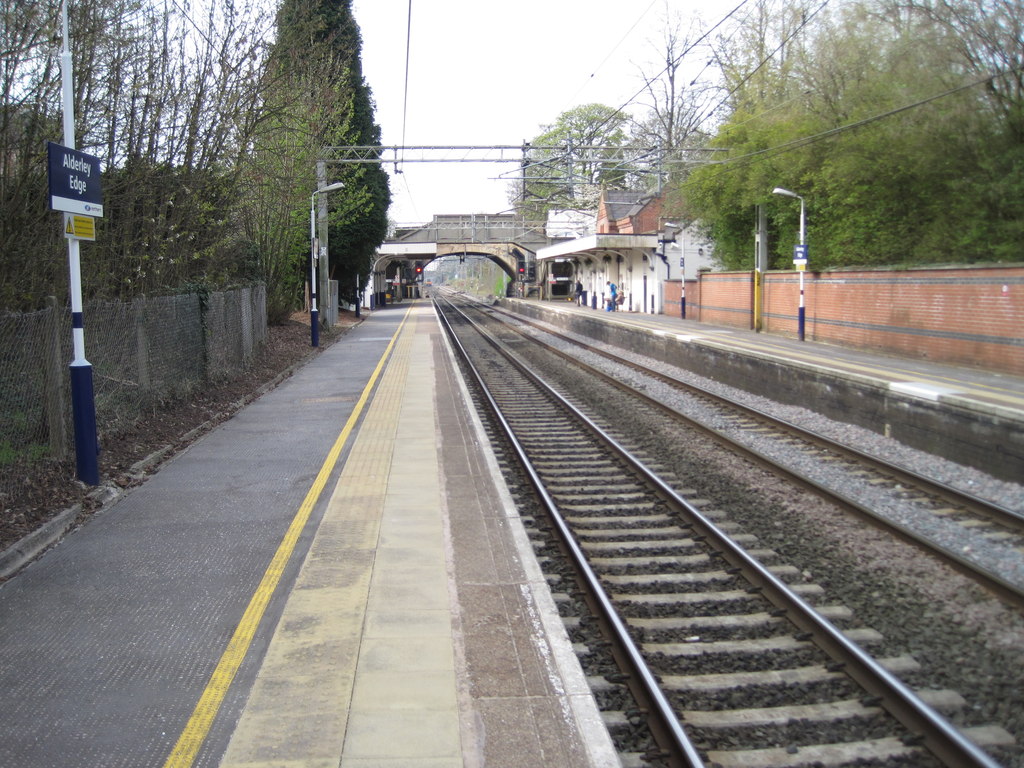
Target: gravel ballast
[963, 637]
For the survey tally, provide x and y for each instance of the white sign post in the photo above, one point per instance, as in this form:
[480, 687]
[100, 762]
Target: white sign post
[75, 189]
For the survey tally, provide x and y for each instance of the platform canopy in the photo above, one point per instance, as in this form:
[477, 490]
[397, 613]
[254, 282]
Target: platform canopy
[596, 245]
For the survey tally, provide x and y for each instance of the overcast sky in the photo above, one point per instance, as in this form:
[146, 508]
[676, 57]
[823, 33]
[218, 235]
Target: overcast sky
[488, 73]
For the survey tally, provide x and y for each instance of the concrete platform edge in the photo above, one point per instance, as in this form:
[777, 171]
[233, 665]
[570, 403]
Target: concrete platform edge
[598, 743]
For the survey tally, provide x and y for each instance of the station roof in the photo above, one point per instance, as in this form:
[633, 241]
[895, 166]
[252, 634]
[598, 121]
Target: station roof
[598, 244]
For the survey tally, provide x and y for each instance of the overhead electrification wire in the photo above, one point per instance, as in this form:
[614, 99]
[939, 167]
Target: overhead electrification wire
[611, 52]
[195, 26]
[800, 27]
[405, 95]
[803, 141]
[669, 65]
[679, 58]
[412, 200]
[769, 110]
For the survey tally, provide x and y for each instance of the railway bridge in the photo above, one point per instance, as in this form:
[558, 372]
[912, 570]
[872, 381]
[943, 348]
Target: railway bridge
[506, 239]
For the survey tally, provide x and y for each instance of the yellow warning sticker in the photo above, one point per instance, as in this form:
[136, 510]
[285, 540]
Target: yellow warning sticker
[81, 227]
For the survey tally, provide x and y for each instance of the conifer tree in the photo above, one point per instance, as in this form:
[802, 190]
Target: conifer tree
[317, 55]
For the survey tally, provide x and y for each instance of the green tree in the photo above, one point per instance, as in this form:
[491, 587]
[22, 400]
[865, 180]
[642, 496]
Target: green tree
[572, 159]
[317, 54]
[870, 112]
[165, 102]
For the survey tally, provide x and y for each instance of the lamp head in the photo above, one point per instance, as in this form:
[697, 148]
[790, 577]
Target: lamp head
[331, 187]
[785, 192]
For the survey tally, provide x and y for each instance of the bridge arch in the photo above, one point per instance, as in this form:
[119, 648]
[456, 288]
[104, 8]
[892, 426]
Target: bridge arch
[505, 255]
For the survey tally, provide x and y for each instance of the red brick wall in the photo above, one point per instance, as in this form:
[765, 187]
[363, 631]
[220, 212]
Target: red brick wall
[965, 316]
[724, 298]
[605, 226]
[672, 299]
[648, 220]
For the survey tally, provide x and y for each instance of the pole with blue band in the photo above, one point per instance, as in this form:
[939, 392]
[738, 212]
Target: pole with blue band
[799, 256]
[83, 403]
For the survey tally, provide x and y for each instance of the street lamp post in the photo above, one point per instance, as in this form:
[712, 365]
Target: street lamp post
[801, 259]
[314, 314]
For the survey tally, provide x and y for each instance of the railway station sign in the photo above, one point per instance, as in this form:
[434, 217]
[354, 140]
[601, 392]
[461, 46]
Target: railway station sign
[800, 256]
[74, 181]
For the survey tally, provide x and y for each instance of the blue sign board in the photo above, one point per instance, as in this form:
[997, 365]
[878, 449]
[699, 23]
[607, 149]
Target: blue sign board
[74, 181]
[800, 253]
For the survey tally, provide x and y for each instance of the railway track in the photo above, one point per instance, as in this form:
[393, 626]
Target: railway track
[750, 432]
[733, 657]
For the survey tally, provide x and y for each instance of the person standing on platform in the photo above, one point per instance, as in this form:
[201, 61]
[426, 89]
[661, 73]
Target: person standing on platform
[579, 293]
[613, 295]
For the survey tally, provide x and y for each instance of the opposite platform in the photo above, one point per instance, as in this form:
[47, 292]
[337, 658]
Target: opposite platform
[968, 415]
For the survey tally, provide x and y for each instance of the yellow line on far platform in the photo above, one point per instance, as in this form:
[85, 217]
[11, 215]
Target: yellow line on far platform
[192, 737]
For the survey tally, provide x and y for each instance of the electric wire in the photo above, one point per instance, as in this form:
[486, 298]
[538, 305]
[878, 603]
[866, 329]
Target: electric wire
[788, 146]
[412, 199]
[195, 26]
[677, 59]
[614, 114]
[800, 27]
[610, 53]
[769, 110]
[405, 95]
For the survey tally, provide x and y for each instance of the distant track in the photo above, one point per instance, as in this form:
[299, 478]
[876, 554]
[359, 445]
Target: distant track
[939, 498]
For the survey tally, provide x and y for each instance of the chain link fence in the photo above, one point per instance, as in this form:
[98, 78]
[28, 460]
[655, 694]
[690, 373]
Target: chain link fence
[142, 352]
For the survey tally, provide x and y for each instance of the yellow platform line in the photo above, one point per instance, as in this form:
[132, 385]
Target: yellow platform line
[198, 727]
[300, 708]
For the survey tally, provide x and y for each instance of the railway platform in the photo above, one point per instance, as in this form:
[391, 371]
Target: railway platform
[334, 576]
[968, 415]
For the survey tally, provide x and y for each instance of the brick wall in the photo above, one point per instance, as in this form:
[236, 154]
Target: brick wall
[648, 220]
[965, 316]
[724, 298]
[672, 299]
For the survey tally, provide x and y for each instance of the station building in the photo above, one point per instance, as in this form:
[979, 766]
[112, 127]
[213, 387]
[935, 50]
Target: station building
[627, 242]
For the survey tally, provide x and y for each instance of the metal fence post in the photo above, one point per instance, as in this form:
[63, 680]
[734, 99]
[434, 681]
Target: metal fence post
[141, 346]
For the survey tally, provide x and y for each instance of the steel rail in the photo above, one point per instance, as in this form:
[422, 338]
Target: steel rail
[996, 512]
[937, 734]
[667, 726]
[1005, 590]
